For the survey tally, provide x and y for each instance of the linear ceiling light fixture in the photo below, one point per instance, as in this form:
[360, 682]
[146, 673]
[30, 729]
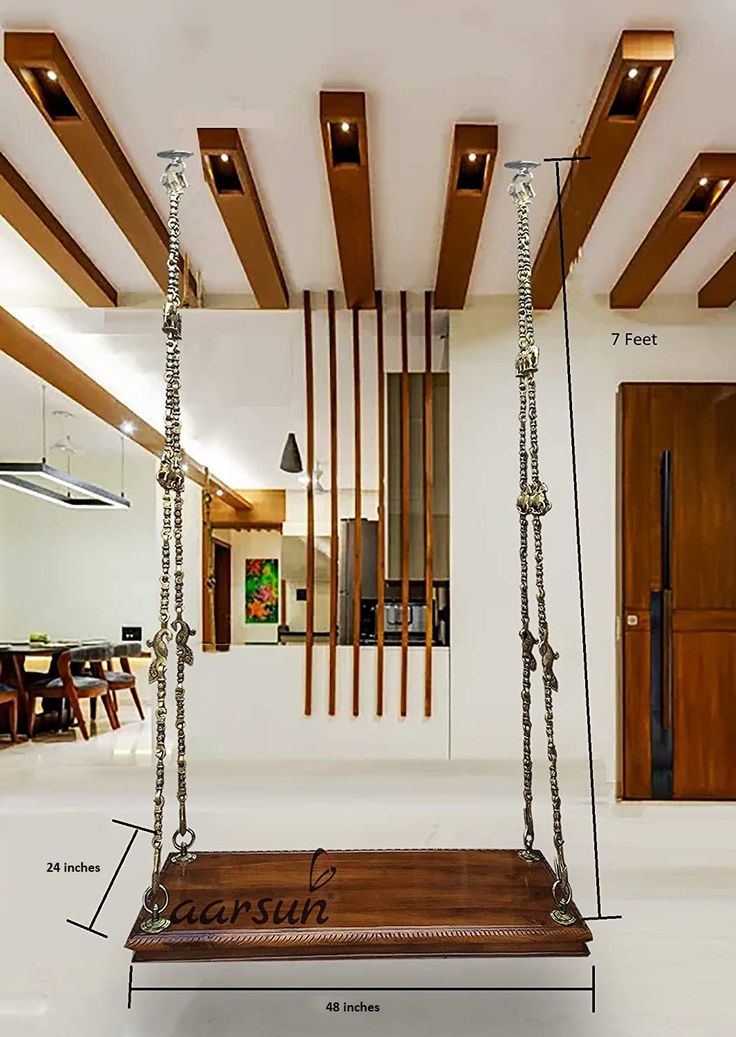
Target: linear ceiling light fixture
[42, 480]
[695, 198]
[35, 354]
[634, 78]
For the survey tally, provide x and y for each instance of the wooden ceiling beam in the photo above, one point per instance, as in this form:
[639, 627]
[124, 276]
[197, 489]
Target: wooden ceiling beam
[227, 171]
[46, 73]
[694, 200]
[37, 225]
[634, 78]
[267, 510]
[720, 290]
[474, 149]
[345, 139]
[35, 354]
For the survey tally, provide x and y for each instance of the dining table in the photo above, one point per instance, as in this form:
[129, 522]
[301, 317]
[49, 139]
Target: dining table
[13, 658]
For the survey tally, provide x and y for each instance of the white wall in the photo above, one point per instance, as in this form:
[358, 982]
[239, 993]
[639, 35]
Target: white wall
[248, 704]
[296, 611]
[693, 346]
[82, 574]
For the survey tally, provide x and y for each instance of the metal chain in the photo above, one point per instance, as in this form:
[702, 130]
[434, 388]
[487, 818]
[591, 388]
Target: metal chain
[175, 184]
[171, 479]
[528, 662]
[210, 558]
[533, 502]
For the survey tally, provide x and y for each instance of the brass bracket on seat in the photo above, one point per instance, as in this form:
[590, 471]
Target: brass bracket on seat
[562, 916]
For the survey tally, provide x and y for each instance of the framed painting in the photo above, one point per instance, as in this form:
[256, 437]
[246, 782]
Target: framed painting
[261, 590]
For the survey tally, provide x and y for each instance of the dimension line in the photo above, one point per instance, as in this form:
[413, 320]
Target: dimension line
[578, 545]
[370, 990]
[127, 824]
[90, 928]
[569, 158]
[364, 990]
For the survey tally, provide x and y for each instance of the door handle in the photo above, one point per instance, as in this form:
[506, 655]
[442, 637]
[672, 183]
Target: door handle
[667, 685]
[667, 668]
[661, 648]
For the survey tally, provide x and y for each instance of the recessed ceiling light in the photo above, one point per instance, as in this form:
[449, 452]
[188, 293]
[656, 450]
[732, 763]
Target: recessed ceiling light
[345, 126]
[472, 156]
[703, 181]
[633, 73]
[224, 157]
[50, 74]
[127, 428]
[219, 493]
[184, 466]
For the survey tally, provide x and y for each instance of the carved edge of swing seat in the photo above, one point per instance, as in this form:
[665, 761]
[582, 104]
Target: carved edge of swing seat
[360, 943]
[471, 934]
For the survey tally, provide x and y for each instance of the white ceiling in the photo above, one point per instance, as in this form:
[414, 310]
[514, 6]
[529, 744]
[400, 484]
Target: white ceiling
[160, 70]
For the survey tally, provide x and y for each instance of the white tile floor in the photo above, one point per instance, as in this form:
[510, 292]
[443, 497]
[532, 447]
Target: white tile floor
[666, 968]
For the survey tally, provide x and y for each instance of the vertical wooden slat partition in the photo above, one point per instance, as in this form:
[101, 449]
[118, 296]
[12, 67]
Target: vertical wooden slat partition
[334, 502]
[404, 505]
[309, 382]
[428, 531]
[381, 547]
[358, 538]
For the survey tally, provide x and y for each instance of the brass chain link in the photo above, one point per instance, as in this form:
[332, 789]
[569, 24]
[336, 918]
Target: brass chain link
[528, 662]
[533, 503]
[171, 479]
[209, 549]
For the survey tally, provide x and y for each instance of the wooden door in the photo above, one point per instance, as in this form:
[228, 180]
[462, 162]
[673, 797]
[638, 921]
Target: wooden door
[677, 590]
[223, 581]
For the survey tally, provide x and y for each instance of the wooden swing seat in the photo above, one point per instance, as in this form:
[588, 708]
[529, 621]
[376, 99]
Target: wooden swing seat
[261, 905]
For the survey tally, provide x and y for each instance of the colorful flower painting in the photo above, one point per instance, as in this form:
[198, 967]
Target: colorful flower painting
[261, 590]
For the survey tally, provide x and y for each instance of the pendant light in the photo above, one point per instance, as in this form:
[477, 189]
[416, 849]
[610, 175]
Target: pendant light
[39, 479]
[291, 458]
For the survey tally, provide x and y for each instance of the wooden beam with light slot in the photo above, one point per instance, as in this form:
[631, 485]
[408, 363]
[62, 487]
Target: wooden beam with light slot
[345, 138]
[35, 354]
[37, 225]
[635, 75]
[694, 200]
[474, 150]
[228, 173]
[720, 289]
[46, 73]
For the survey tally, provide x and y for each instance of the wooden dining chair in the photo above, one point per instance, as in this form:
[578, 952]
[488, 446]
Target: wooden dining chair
[124, 678]
[9, 698]
[76, 686]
